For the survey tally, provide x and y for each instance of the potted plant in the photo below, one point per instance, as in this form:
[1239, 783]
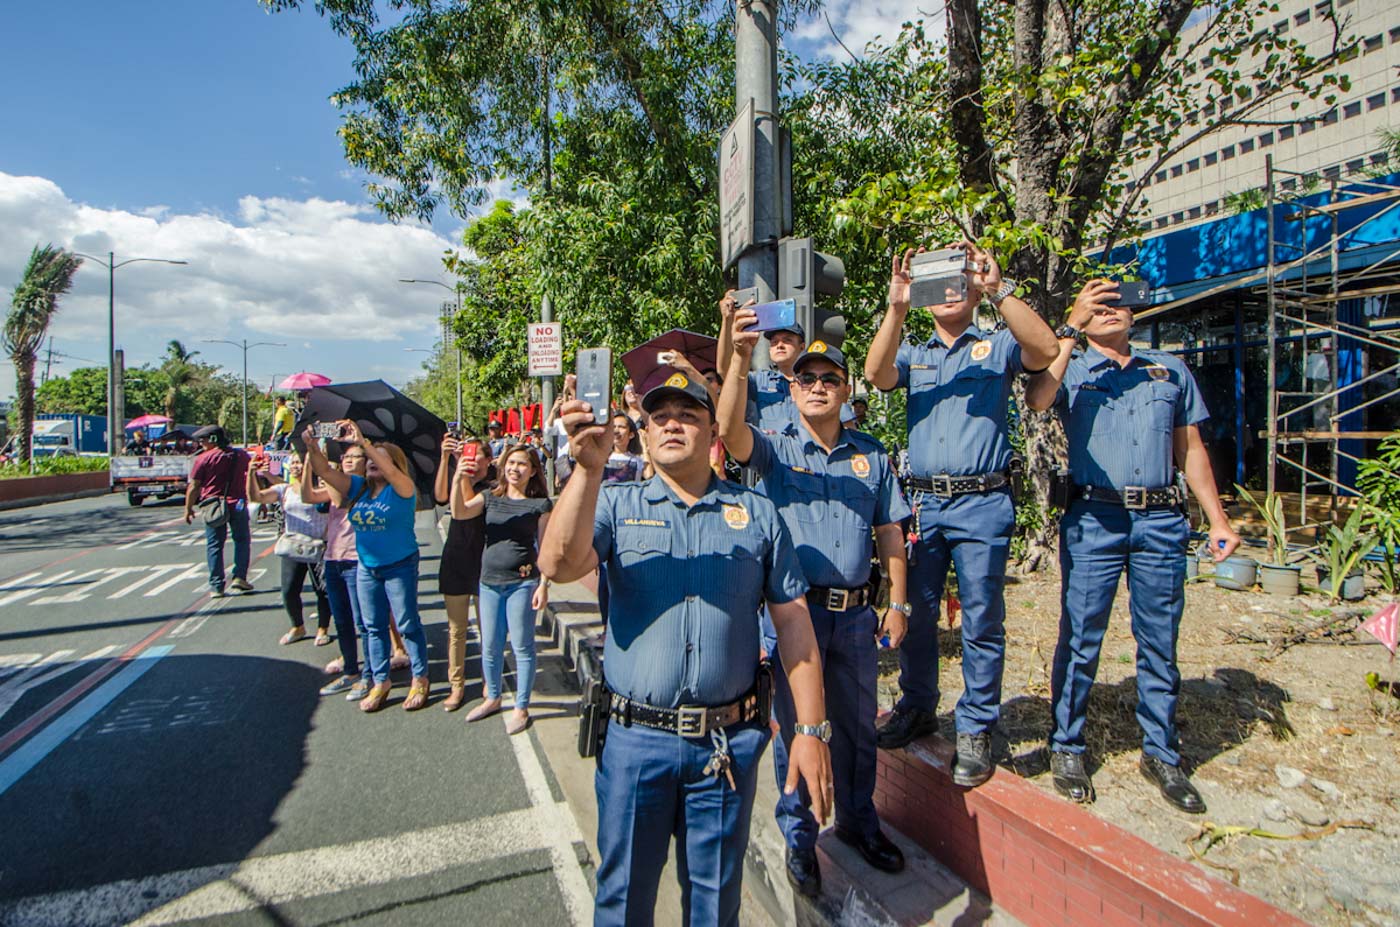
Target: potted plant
[1339, 574]
[1278, 576]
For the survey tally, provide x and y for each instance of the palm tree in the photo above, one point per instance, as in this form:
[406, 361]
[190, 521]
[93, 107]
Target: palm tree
[48, 275]
[179, 365]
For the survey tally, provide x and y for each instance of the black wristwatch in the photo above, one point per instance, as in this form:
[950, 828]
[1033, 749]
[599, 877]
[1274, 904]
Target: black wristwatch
[1067, 331]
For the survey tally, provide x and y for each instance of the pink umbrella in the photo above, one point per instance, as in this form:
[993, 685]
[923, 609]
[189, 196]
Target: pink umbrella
[304, 380]
[146, 421]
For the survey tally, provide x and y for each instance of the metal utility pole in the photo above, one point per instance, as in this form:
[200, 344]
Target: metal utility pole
[756, 79]
[456, 292]
[244, 345]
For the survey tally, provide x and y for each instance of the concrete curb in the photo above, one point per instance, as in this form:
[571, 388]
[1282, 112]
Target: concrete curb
[56, 497]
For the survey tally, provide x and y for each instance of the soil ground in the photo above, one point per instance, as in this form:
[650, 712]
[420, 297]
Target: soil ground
[1294, 744]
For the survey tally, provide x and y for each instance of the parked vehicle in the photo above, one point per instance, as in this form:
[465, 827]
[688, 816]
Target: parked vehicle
[65, 435]
[158, 475]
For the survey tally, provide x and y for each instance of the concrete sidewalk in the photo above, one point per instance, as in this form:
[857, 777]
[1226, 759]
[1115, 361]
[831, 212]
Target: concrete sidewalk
[853, 893]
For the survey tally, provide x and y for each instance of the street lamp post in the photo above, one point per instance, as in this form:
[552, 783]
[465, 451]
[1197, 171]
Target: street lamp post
[456, 292]
[244, 345]
[115, 415]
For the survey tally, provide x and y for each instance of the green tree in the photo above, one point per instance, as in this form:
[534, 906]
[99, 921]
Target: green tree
[181, 372]
[47, 276]
[84, 391]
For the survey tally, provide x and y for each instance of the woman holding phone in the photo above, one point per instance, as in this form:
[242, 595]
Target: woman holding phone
[298, 517]
[459, 572]
[382, 504]
[512, 591]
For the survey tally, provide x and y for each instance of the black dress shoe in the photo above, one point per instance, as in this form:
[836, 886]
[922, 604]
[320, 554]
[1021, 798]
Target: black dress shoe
[1175, 787]
[803, 871]
[905, 726]
[1071, 780]
[973, 765]
[878, 850]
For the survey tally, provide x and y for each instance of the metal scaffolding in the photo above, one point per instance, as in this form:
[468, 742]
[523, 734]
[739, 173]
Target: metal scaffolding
[1307, 279]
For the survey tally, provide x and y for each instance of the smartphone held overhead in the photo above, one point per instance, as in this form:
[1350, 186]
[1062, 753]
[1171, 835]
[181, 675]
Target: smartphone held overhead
[1132, 294]
[938, 277]
[595, 381]
[781, 313]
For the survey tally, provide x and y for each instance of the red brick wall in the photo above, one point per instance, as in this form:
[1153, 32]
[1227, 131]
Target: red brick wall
[33, 487]
[1046, 861]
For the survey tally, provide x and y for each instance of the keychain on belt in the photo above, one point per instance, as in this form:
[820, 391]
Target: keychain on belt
[720, 760]
[915, 529]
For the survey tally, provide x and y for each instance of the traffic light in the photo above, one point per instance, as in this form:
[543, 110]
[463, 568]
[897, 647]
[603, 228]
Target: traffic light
[804, 275]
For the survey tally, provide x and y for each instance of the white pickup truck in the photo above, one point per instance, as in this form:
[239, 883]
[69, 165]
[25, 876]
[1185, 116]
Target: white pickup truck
[161, 476]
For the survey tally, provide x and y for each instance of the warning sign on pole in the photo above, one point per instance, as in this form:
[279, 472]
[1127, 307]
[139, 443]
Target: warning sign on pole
[546, 341]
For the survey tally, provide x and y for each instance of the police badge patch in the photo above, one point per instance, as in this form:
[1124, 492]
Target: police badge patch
[736, 516]
[981, 349]
[860, 465]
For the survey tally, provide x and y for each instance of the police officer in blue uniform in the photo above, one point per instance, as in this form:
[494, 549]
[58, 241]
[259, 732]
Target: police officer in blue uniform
[770, 405]
[1130, 414]
[832, 486]
[959, 391]
[690, 558]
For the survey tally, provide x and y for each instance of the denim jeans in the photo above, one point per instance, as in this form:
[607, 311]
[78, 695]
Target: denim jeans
[503, 607]
[651, 787]
[345, 609]
[242, 545]
[395, 587]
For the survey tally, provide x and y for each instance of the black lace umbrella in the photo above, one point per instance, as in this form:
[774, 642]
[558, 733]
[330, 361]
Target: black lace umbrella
[383, 414]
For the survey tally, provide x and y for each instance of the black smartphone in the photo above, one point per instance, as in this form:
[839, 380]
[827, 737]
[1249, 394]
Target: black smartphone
[1133, 294]
[937, 277]
[595, 381]
[781, 313]
[746, 294]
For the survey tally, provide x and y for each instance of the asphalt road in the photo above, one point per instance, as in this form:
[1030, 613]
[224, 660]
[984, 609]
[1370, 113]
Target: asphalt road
[163, 760]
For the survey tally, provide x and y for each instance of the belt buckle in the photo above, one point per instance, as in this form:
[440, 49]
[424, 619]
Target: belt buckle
[1134, 497]
[838, 595]
[941, 485]
[691, 721]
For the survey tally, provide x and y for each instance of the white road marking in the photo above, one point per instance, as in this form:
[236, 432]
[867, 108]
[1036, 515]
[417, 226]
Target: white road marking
[193, 571]
[13, 690]
[196, 621]
[14, 662]
[78, 595]
[562, 829]
[35, 589]
[215, 891]
[150, 539]
[18, 580]
[156, 572]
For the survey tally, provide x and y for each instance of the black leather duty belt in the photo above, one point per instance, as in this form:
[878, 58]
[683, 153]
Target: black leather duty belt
[687, 720]
[838, 600]
[1133, 497]
[945, 485]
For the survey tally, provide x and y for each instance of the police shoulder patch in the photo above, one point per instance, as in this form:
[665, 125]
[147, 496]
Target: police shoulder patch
[981, 349]
[736, 516]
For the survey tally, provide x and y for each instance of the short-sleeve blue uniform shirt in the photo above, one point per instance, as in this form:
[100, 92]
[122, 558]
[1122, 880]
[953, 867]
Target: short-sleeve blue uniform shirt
[1119, 421]
[685, 587]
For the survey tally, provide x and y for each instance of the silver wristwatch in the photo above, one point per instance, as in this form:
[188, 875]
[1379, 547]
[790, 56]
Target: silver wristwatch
[820, 731]
[903, 608]
[1006, 289]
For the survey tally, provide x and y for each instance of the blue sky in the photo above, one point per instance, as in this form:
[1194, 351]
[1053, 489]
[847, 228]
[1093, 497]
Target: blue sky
[201, 130]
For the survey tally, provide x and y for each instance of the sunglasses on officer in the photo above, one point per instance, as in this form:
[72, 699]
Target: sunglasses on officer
[829, 380]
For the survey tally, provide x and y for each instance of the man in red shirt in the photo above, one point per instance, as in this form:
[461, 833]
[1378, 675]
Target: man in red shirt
[221, 470]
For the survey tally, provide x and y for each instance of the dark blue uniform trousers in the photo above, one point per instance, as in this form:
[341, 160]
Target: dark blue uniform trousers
[973, 532]
[1097, 540]
[847, 643]
[650, 786]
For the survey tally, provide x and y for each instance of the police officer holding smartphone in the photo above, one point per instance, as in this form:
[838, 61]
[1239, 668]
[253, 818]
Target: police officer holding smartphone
[832, 486]
[959, 391]
[690, 558]
[770, 397]
[1131, 416]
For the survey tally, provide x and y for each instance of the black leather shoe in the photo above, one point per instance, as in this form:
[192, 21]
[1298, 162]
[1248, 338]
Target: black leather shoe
[1070, 778]
[973, 765]
[905, 726]
[803, 871]
[1175, 787]
[879, 851]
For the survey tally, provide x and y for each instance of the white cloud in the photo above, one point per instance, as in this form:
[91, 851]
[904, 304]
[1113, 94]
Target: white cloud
[859, 22]
[301, 271]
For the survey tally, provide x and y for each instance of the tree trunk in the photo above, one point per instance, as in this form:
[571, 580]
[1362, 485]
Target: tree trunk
[24, 402]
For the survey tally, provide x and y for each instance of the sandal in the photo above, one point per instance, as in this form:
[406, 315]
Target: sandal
[456, 698]
[417, 694]
[378, 695]
[335, 667]
[295, 634]
[322, 637]
[399, 660]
